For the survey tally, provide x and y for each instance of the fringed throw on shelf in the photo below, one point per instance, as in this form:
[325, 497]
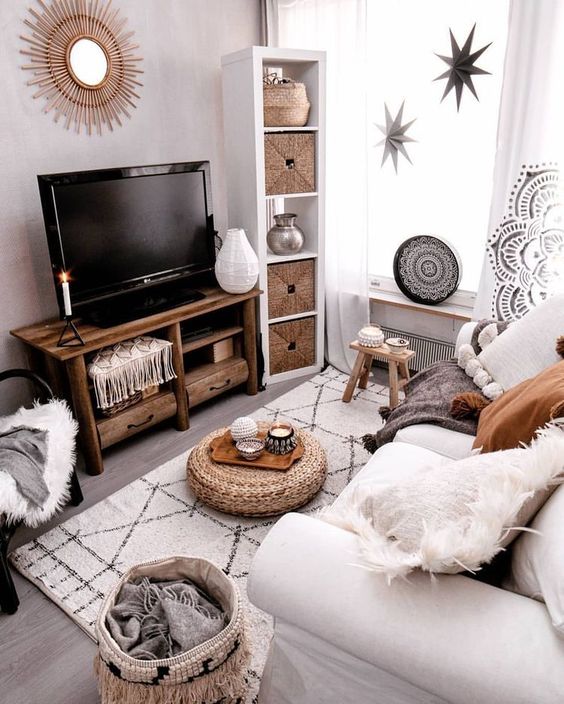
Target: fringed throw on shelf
[120, 371]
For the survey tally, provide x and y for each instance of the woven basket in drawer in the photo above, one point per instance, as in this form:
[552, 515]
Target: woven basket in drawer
[291, 288]
[289, 162]
[121, 405]
[292, 345]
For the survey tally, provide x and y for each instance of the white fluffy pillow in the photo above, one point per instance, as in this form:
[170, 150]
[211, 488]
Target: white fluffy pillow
[451, 517]
[526, 348]
[537, 564]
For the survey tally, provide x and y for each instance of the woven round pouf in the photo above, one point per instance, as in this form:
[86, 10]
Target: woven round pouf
[246, 491]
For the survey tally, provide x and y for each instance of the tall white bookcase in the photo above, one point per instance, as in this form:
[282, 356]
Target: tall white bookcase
[248, 205]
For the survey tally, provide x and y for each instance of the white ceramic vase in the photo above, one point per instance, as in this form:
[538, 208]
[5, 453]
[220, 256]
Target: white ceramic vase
[236, 266]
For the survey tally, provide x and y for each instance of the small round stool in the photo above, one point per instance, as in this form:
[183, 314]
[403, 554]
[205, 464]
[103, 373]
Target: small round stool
[245, 491]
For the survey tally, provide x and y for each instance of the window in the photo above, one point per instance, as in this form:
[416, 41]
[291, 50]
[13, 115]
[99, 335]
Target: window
[447, 191]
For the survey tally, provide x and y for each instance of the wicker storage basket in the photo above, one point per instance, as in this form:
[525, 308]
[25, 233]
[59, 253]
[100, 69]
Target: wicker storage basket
[111, 411]
[291, 288]
[285, 105]
[292, 345]
[289, 163]
[211, 672]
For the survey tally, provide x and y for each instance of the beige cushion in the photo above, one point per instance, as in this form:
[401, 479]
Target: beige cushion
[448, 443]
[527, 346]
[537, 565]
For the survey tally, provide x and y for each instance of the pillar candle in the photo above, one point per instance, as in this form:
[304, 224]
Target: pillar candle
[66, 296]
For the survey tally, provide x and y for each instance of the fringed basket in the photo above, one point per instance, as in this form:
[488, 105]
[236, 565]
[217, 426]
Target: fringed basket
[212, 672]
[285, 102]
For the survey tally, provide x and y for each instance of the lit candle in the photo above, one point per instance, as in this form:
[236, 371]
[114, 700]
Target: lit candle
[280, 432]
[66, 295]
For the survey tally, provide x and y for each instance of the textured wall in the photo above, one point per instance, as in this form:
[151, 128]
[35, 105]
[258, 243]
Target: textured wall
[179, 118]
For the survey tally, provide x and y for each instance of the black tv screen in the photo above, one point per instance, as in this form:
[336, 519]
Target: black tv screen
[119, 229]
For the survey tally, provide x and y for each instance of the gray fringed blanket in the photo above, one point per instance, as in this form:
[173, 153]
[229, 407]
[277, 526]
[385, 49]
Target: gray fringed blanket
[156, 620]
[23, 453]
[429, 396]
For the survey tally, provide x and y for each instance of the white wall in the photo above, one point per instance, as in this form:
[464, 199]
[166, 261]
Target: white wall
[179, 118]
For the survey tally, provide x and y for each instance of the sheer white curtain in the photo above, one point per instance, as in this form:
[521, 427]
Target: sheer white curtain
[339, 27]
[524, 261]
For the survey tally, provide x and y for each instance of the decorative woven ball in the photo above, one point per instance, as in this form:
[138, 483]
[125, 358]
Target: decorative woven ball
[243, 428]
[371, 336]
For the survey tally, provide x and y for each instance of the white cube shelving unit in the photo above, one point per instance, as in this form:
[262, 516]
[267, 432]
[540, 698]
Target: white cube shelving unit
[248, 205]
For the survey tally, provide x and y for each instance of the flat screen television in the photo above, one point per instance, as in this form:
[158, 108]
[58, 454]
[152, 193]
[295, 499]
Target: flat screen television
[129, 238]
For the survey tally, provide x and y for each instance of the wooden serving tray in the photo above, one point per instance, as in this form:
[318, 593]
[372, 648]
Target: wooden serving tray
[223, 450]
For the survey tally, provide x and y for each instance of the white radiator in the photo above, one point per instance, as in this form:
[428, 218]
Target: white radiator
[427, 349]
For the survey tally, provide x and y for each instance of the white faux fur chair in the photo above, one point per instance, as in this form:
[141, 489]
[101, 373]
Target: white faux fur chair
[56, 418]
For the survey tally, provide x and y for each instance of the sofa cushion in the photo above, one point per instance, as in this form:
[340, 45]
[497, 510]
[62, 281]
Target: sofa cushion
[514, 417]
[449, 443]
[452, 515]
[527, 346]
[390, 464]
[537, 565]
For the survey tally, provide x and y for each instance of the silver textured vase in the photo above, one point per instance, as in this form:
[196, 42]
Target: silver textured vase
[285, 237]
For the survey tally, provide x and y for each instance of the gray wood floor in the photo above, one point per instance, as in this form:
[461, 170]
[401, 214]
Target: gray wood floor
[46, 658]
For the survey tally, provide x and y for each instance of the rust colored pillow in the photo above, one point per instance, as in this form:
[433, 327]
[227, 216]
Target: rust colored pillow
[514, 417]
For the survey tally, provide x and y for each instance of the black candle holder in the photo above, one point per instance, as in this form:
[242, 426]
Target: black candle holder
[75, 339]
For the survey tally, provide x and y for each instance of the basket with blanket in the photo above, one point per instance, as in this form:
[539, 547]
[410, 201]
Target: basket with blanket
[172, 631]
[121, 374]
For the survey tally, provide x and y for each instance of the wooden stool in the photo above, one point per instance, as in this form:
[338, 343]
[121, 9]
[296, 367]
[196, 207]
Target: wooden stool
[398, 370]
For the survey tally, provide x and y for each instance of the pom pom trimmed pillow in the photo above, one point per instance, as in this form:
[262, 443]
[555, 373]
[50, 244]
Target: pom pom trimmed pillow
[453, 516]
[525, 349]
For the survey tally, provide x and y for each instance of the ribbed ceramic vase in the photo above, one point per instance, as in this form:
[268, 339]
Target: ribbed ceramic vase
[236, 267]
[285, 237]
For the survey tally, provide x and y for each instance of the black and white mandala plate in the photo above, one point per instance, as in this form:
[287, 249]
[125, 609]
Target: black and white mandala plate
[426, 269]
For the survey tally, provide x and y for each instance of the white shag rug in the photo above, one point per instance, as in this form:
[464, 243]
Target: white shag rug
[78, 562]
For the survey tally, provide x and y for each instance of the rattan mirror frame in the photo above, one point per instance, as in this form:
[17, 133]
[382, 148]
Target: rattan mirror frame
[54, 31]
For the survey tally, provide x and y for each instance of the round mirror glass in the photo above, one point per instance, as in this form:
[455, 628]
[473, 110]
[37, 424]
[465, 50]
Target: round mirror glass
[88, 62]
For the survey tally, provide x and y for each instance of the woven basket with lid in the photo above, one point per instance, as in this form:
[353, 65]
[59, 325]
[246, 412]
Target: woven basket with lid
[285, 104]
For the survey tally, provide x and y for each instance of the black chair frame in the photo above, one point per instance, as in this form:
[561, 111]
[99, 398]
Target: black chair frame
[9, 601]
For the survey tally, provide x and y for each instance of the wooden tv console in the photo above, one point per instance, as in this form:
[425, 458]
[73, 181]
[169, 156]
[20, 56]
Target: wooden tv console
[197, 378]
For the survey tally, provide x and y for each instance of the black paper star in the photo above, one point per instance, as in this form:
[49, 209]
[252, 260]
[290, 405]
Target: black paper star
[395, 138]
[461, 67]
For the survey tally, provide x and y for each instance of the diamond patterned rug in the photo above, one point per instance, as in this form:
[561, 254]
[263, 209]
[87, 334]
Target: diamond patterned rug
[76, 563]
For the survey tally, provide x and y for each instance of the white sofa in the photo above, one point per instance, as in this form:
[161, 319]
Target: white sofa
[343, 636]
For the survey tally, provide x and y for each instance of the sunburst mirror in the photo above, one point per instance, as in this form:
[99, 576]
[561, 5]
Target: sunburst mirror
[84, 62]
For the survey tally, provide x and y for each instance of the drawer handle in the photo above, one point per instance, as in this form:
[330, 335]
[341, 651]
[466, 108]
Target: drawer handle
[291, 346]
[143, 422]
[222, 386]
[290, 163]
[291, 288]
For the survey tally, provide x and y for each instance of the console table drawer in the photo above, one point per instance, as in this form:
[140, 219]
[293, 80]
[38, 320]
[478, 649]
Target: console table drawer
[209, 380]
[133, 420]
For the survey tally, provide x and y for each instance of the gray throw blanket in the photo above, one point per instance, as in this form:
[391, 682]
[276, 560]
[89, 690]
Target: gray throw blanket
[429, 396]
[23, 452]
[428, 400]
[153, 620]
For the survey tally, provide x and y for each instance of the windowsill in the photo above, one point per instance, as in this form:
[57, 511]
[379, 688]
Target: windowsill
[384, 290]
